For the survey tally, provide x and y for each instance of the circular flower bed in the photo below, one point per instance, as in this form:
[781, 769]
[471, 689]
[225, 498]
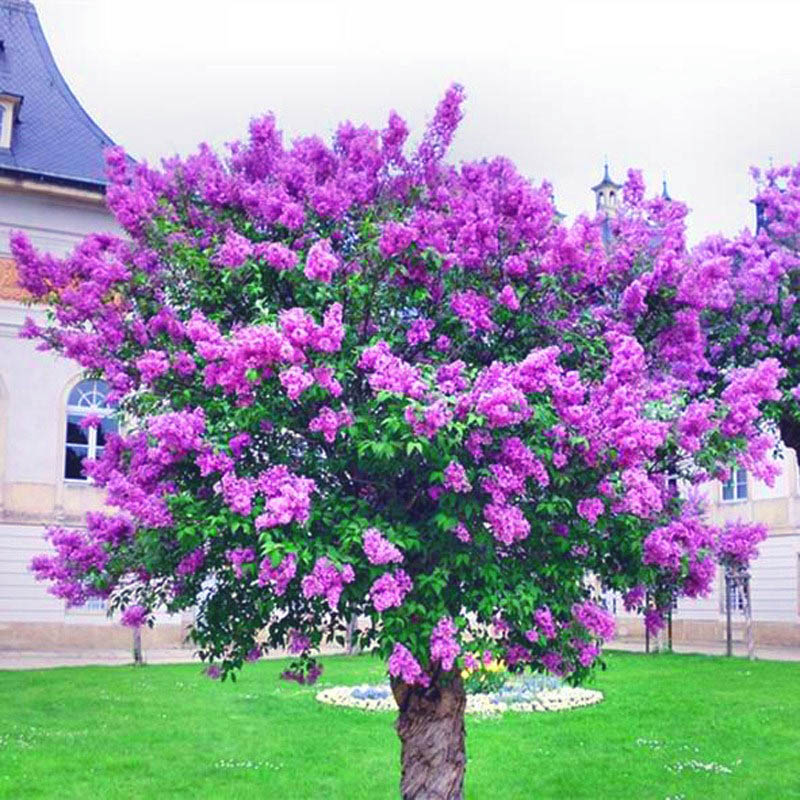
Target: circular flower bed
[527, 695]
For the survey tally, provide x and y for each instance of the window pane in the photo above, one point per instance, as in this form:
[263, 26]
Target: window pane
[741, 484]
[76, 434]
[727, 490]
[72, 464]
[108, 425]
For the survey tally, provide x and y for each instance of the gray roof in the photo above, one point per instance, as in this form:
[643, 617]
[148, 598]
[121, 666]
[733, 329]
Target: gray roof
[54, 140]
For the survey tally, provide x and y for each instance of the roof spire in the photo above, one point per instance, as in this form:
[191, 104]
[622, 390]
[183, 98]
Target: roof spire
[607, 180]
[664, 192]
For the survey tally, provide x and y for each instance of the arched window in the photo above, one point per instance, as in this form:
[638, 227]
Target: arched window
[87, 399]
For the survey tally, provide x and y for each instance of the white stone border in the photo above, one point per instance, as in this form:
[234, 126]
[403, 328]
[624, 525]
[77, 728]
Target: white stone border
[560, 699]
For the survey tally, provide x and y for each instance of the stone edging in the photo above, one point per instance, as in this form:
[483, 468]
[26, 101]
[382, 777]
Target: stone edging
[561, 699]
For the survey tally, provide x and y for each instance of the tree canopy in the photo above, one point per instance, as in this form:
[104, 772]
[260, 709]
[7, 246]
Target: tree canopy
[359, 382]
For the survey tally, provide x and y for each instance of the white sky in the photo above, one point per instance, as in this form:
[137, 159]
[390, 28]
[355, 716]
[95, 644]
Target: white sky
[697, 90]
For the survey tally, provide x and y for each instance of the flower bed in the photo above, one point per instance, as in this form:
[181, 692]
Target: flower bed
[532, 694]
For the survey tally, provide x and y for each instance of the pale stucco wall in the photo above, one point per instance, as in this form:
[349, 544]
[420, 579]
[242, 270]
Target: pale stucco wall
[775, 574]
[54, 222]
[33, 494]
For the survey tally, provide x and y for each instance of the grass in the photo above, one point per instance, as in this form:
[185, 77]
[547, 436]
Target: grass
[169, 732]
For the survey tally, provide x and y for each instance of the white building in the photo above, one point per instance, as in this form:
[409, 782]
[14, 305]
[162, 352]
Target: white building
[52, 188]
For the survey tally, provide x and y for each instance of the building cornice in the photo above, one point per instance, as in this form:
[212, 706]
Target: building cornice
[25, 182]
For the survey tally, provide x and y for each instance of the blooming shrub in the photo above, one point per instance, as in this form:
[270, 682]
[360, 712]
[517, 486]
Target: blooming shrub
[364, 382]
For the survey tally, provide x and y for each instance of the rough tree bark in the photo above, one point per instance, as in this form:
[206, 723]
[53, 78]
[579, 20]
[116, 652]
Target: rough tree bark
[431, 730]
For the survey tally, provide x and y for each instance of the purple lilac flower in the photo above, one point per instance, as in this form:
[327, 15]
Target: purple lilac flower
[134, 616]
[389, 590]
[321, 262]
[380, 550]
[403, 665]
[444, 647]
[595, 619]
[455, 478]
[590, 508]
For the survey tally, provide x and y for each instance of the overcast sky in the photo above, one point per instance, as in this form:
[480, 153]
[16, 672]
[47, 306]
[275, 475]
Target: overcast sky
[697, 90]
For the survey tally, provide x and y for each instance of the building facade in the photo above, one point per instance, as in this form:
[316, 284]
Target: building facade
[52, 188]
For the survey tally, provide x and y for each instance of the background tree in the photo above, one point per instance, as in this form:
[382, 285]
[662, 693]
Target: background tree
[752, 282]
[358, 382]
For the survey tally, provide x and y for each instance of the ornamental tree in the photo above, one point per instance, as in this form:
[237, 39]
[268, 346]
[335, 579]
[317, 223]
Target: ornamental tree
[751, 282]
[358, 382]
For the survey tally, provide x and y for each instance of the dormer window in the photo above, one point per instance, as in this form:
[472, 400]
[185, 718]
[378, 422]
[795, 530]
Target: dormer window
[9, 111]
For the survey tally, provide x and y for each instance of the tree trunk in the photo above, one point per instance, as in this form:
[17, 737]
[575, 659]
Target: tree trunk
[137, 646]
[728, 623]
[348, 639]
[431, 730]
[748, 611]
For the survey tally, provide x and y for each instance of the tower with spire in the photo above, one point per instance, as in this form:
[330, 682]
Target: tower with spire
[607, 194]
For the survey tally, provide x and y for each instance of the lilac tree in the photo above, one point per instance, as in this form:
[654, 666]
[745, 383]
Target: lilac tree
[751, 283]
[357, 381]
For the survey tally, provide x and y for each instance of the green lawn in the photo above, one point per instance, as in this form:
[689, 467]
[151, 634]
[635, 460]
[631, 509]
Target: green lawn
[169, 732]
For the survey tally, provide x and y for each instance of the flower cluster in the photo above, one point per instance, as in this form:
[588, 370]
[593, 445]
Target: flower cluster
[379, 550]
[134, 616]
[307, 677]
[321, 262]
[403, 665]
[596, 620]
[328, 422]
[444, 647]
[278, 577]
[239, 557]
[390, 589]
[326, 580]
[737, 544]
[455, 478]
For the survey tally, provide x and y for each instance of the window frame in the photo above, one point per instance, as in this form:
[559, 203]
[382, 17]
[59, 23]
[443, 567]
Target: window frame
[79, 410]
[736, 484]
[738, 598]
